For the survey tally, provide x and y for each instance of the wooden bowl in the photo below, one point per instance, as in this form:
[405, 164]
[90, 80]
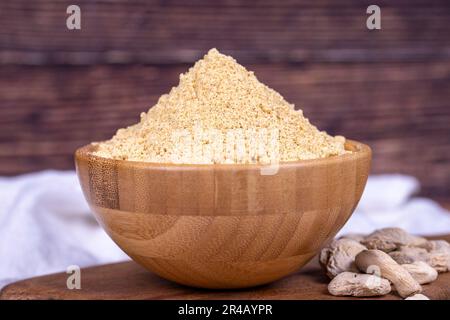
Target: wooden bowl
[223, 226]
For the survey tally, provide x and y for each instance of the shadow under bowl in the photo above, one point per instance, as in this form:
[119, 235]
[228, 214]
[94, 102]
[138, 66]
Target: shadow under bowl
[223, 226]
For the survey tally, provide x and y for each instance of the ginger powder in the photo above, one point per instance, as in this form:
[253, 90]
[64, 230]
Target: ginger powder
[221, 113]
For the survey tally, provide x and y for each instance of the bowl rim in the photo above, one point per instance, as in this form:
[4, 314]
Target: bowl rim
[359, 150]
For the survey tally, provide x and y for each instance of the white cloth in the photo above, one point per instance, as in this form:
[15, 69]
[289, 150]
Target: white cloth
[46, 226]
[388, 201]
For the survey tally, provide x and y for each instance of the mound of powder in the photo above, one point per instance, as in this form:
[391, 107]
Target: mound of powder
[221, 113]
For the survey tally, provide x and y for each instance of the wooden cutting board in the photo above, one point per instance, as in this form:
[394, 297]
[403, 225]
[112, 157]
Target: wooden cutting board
[127, 280]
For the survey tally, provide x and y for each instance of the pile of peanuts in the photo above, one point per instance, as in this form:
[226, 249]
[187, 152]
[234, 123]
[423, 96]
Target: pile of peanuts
[386, 260]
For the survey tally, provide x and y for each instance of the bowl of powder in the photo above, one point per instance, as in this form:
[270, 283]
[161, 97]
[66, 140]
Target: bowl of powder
[222, 184]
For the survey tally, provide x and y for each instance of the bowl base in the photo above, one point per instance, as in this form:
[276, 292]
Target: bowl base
[223, 275]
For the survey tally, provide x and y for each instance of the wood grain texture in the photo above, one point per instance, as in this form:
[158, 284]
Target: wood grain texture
[142, 31]
[128, 280]
[223, 226]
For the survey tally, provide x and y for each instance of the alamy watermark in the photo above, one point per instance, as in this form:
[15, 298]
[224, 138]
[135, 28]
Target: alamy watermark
[74, 279]
[208, 146]
[73, 21]
[373, 22]
[374, 280]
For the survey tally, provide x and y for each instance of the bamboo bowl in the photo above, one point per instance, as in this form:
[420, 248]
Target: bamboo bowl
[223, 226]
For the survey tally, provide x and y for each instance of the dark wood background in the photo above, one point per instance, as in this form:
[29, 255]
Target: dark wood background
[60, 89]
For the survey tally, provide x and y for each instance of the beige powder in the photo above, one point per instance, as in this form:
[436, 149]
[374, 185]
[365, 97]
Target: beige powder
[221, 113]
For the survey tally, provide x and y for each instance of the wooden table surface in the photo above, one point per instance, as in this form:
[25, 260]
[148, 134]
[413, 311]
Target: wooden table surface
[127, 280]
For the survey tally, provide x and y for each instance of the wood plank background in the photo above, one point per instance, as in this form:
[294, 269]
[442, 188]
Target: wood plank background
[60, 89]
